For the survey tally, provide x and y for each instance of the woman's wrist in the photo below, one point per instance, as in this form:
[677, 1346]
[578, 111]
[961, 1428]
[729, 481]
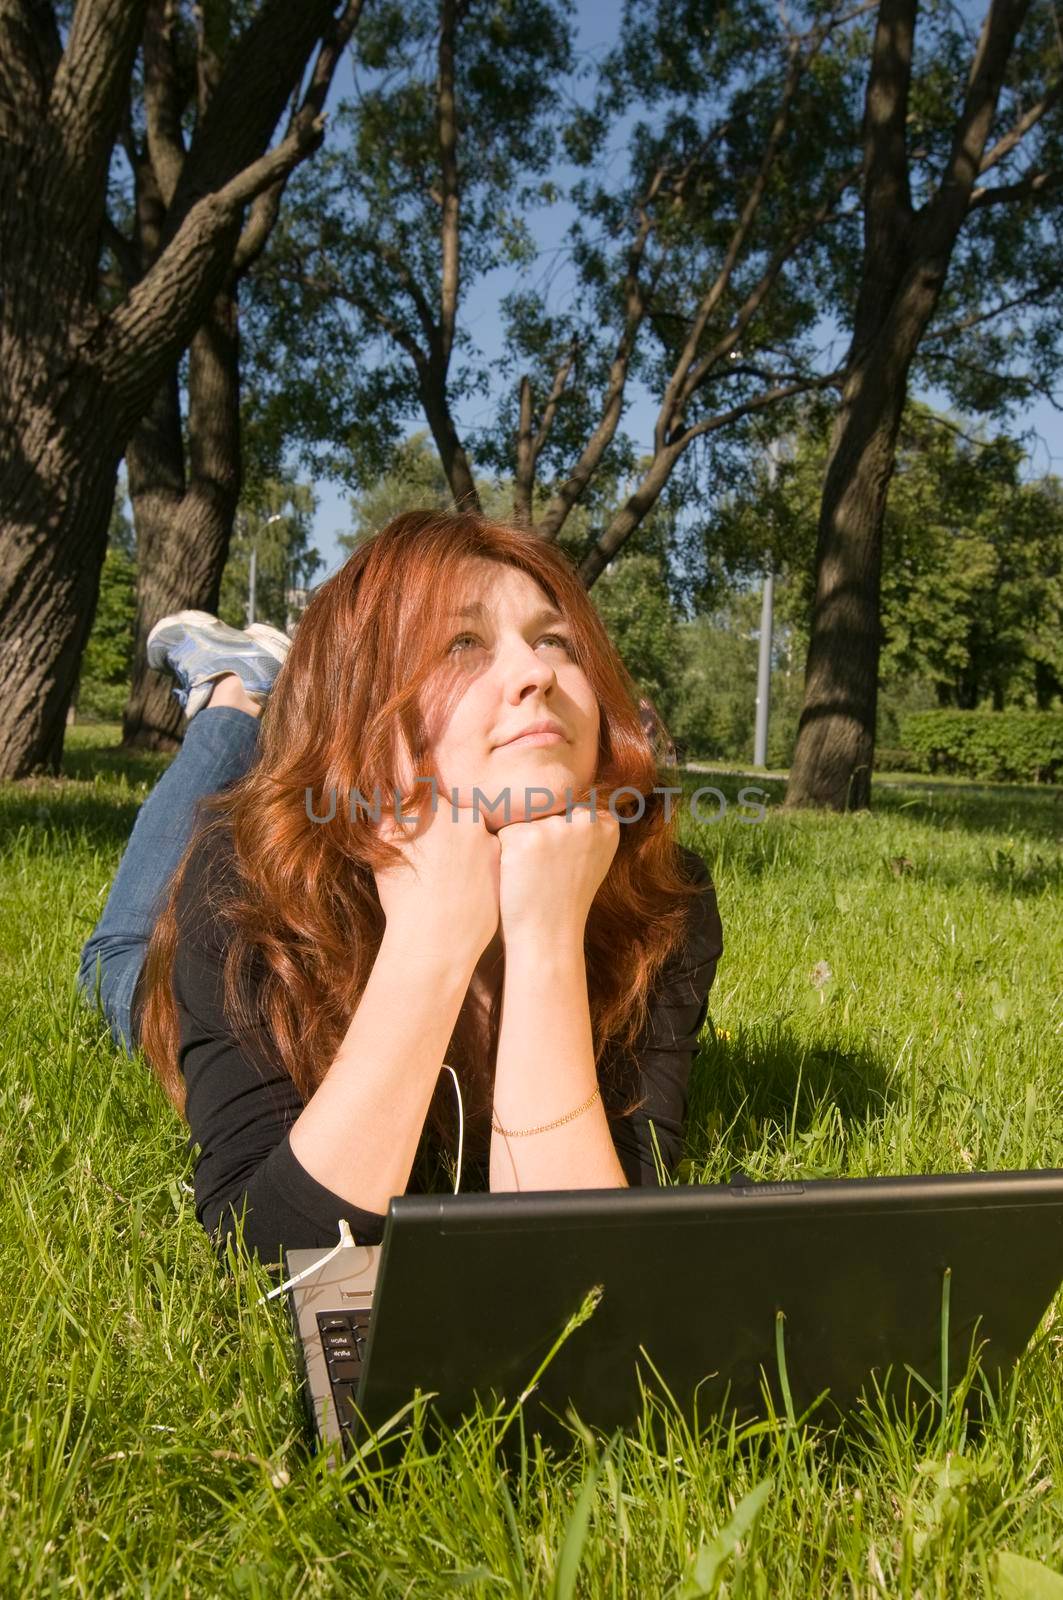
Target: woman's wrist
[557, 946]
[429, 951]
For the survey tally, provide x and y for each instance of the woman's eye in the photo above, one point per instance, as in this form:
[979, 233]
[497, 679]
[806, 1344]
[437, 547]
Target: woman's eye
[456, 645]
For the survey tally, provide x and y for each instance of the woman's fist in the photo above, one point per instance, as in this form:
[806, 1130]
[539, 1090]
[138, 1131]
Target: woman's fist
[551, 868]
[444, 893]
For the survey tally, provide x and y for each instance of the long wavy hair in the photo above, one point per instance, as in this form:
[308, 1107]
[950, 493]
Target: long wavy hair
[301, 914]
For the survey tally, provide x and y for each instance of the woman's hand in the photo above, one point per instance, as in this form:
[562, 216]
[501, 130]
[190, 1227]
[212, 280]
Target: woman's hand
[445, 891]
[551, 870]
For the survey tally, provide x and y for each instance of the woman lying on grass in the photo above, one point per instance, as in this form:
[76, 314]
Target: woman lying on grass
[298, 965]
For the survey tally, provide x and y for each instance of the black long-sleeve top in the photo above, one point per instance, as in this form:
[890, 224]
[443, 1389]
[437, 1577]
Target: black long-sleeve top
[240, 1106]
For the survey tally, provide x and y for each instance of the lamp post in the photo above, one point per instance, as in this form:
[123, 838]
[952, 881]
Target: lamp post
[777, 451]
[252, 571]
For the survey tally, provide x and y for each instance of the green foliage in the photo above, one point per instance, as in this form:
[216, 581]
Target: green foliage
[109, 652]
[632, 599]
[341, 304]
[973, 572]
[715, 696]
[275, 519]
[107, 662]
[717, 688]
[894, 758]
[415, 481]
[972, 566]
[1012, 746]
[670, 150]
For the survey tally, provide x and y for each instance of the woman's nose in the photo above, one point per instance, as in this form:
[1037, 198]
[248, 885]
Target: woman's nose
[524, 666]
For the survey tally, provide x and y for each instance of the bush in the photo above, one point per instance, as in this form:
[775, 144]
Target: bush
[893, 758]
[1009, 746]
[107, 663]
[101, 702]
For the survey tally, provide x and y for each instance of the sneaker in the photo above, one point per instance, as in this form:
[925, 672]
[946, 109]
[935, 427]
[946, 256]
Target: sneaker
[198, 649]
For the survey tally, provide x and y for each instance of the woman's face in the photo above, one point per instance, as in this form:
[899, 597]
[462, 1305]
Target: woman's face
[512, 651]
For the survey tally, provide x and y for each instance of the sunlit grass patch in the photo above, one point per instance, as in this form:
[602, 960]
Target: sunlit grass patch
[888, 1002]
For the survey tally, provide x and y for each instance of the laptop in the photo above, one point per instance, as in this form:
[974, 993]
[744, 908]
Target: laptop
[717, 1295]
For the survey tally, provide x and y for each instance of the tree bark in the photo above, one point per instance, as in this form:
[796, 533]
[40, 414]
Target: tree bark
[836, 732]
[183, 513]
[447, 441]
[906, 260]
[53, 538]
[155, 467]
[76, 380]
[183, 517]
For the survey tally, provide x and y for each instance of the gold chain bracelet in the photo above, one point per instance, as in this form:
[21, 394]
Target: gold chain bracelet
[522, 1133]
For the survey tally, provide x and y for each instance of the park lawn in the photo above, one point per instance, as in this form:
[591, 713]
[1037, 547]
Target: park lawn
[151, 1427]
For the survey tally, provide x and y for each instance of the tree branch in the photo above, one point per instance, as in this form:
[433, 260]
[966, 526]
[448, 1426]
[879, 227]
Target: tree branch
[391, 258]
[523, 477]
[261, 216]
[448, 172]
[1015, 135]
[671, 402]
[263, 212]
[646, 494]
[945, 212]
[769, 397]
[249, 100]
[949, 330]
[1033, 186]
[332, 289]
[887, 185]
[552, 402]
[157, 319]
[162, 100]
[30, 52]
[530, 444]
[612, 405]
[1028, 385]
[88, 97]
[697, 374]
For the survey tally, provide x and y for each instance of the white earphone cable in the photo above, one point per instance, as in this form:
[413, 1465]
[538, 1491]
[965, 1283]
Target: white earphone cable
[461, 1124]
[347, 1239]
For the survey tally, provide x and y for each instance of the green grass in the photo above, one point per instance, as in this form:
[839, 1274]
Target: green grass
[151, 1433]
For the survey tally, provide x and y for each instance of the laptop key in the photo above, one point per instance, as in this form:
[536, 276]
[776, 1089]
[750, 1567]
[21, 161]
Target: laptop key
[343, 1394]
[345, 1371]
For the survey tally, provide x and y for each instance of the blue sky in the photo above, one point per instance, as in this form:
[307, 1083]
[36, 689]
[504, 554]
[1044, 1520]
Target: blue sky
[597, 23]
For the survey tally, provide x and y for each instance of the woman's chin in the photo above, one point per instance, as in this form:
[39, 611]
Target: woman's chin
[534, 789]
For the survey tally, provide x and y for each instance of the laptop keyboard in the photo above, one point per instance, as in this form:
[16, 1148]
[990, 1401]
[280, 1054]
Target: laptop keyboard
[343, 1336]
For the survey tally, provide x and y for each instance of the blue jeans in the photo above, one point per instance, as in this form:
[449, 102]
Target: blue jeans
[219, 747]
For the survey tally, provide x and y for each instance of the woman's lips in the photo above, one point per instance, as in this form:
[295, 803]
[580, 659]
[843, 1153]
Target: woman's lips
[533, 739]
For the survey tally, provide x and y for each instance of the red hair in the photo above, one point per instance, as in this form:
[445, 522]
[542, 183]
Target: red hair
[303, 907]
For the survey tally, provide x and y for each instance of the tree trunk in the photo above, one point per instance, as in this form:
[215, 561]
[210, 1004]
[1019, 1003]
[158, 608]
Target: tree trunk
[836, 732]
[183, 518]
[451, 450]
[53, 538]
[906, 260]
[835, 746]
[155, 464]
[77, 378]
